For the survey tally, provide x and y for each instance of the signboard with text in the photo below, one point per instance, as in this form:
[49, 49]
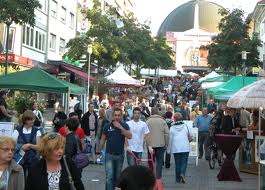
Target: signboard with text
[6, 129]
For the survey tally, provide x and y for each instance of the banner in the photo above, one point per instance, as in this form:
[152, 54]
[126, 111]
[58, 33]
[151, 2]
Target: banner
[6, 129]
[194, 134]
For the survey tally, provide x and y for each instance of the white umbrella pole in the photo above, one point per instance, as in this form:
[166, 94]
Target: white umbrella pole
[259, 181]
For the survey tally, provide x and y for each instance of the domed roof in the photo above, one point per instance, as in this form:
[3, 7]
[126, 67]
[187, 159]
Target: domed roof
[183, 17]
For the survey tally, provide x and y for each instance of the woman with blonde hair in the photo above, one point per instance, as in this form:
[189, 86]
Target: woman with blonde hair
[53, 171]
[11, 174]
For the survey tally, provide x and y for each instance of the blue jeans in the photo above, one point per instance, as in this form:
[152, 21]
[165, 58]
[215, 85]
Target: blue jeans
[113, 167]
[159, 159]
[181, 162]
[130, 159]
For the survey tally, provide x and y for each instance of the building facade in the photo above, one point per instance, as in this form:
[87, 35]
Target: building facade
[188, 36]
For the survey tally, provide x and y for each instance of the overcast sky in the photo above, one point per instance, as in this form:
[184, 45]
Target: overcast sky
[157, 10]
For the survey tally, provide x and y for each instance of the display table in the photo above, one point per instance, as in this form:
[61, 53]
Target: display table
[229, 145]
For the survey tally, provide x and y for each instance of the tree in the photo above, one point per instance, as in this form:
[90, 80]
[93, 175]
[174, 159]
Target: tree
[17, 11]
[225, 49]
[130, 44]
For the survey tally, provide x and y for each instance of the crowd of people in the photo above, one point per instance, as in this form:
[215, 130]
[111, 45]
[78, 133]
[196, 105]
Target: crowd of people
[112, 129]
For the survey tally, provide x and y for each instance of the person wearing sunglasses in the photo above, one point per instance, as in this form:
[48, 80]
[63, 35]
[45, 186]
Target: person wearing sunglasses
[11, 174]
[50, 172]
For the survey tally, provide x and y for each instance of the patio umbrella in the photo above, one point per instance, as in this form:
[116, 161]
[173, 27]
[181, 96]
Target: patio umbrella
[251, 96]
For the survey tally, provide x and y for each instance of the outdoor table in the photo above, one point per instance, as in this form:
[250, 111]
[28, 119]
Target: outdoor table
[229, 145]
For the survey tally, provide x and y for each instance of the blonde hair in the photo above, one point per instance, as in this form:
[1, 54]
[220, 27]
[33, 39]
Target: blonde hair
[49, 143]
[28, 115]
[8, 141]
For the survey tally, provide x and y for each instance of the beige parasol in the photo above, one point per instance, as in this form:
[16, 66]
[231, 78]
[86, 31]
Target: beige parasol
[251, 96]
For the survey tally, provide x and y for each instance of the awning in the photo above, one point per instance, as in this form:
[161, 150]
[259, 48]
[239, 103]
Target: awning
[81, 74]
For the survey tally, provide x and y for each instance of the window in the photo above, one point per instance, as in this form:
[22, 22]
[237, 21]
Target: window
[72, 20]
[62, 46]
[33, 38]
[63, 14]
[54, 8]
[43, 4]
[52, 42]
[11, 39]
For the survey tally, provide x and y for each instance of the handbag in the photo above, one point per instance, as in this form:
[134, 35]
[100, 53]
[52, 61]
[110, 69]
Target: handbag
[189, 136]
[71, 182]
[81, 159]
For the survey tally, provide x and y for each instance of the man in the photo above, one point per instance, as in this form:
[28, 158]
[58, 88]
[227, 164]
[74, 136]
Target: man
[5, 114]
[109, 112]
[157, 140]
[230, 124]
[114, 133]
[145, 112]
[202, 122]
[244, 118]
[139, 132]
[211, 107]
[89, 123]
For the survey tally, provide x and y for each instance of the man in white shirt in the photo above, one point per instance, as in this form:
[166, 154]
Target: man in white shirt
[139, 131]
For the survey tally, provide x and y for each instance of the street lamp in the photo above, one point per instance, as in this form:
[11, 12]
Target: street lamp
[89, 51]
[244, 58]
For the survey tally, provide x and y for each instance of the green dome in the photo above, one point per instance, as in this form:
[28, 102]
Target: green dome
[182, 18]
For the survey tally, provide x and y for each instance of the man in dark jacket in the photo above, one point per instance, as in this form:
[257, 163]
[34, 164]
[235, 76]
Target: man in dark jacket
[89, 123]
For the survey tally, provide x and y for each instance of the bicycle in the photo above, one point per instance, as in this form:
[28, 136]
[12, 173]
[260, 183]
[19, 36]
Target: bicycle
[213, 155]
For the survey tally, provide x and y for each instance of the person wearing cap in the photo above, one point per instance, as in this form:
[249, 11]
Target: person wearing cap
[5, 114]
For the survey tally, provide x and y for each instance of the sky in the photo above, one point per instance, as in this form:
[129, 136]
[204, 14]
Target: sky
[156, 11]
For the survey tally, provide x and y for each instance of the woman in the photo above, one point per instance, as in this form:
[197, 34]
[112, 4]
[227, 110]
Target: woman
[11, 174]
[179, 146]
[50, 172]
[59, 118]
[39, 118]
[27, 139]
[137, 177]
[5, 114]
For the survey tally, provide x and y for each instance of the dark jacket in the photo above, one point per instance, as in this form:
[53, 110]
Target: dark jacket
[38, 177]
[85, 123]
[228, 125]
[61, 117]
[71, 145]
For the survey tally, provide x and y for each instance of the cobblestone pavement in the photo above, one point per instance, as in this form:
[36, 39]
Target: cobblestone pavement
[198, 178]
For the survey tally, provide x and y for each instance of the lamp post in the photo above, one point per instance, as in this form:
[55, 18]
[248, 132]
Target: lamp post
[244, 58]
[89, 51]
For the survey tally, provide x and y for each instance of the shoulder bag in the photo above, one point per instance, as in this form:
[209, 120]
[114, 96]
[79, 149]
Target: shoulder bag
[81, 159]
[71, 182]
[189, 136]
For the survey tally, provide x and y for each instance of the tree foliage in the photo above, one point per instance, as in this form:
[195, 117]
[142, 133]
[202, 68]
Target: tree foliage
[225, 49]
[130, 44]
[18, 11]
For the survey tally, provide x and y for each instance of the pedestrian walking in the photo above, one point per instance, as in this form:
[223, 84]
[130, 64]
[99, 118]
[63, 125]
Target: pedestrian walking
[202, 122]
[11, 174]
[89, 123]
[114, 133]
[157, 140]
[179, 146]
[51, 171]
[139, 131]
[59, 118]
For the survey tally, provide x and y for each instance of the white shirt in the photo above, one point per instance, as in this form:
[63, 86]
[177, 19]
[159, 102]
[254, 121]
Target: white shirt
[178, 139]
[139, 130]
[25, 131]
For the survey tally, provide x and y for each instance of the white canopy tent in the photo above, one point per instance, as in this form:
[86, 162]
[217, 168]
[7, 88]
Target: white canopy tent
[207, 85]
[212, 74]
[120, 76]
[161, 72]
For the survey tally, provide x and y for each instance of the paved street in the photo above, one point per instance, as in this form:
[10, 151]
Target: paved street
[198, 178]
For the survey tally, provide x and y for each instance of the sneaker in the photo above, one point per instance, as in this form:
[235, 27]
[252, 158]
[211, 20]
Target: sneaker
[182, 179]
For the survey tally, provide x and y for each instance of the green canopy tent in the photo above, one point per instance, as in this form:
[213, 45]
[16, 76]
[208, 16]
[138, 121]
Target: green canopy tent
[233, 85]
[222, 78]
[37, 80]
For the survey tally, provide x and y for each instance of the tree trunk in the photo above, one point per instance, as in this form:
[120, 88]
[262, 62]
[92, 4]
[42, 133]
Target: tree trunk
[7, 38]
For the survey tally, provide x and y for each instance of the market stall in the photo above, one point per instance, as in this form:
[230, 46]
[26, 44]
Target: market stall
[252, 96]
[37, 80]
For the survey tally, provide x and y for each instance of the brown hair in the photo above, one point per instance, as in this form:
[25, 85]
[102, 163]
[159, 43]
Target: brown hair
[49, 143]
[28, 115]
[7, 140]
